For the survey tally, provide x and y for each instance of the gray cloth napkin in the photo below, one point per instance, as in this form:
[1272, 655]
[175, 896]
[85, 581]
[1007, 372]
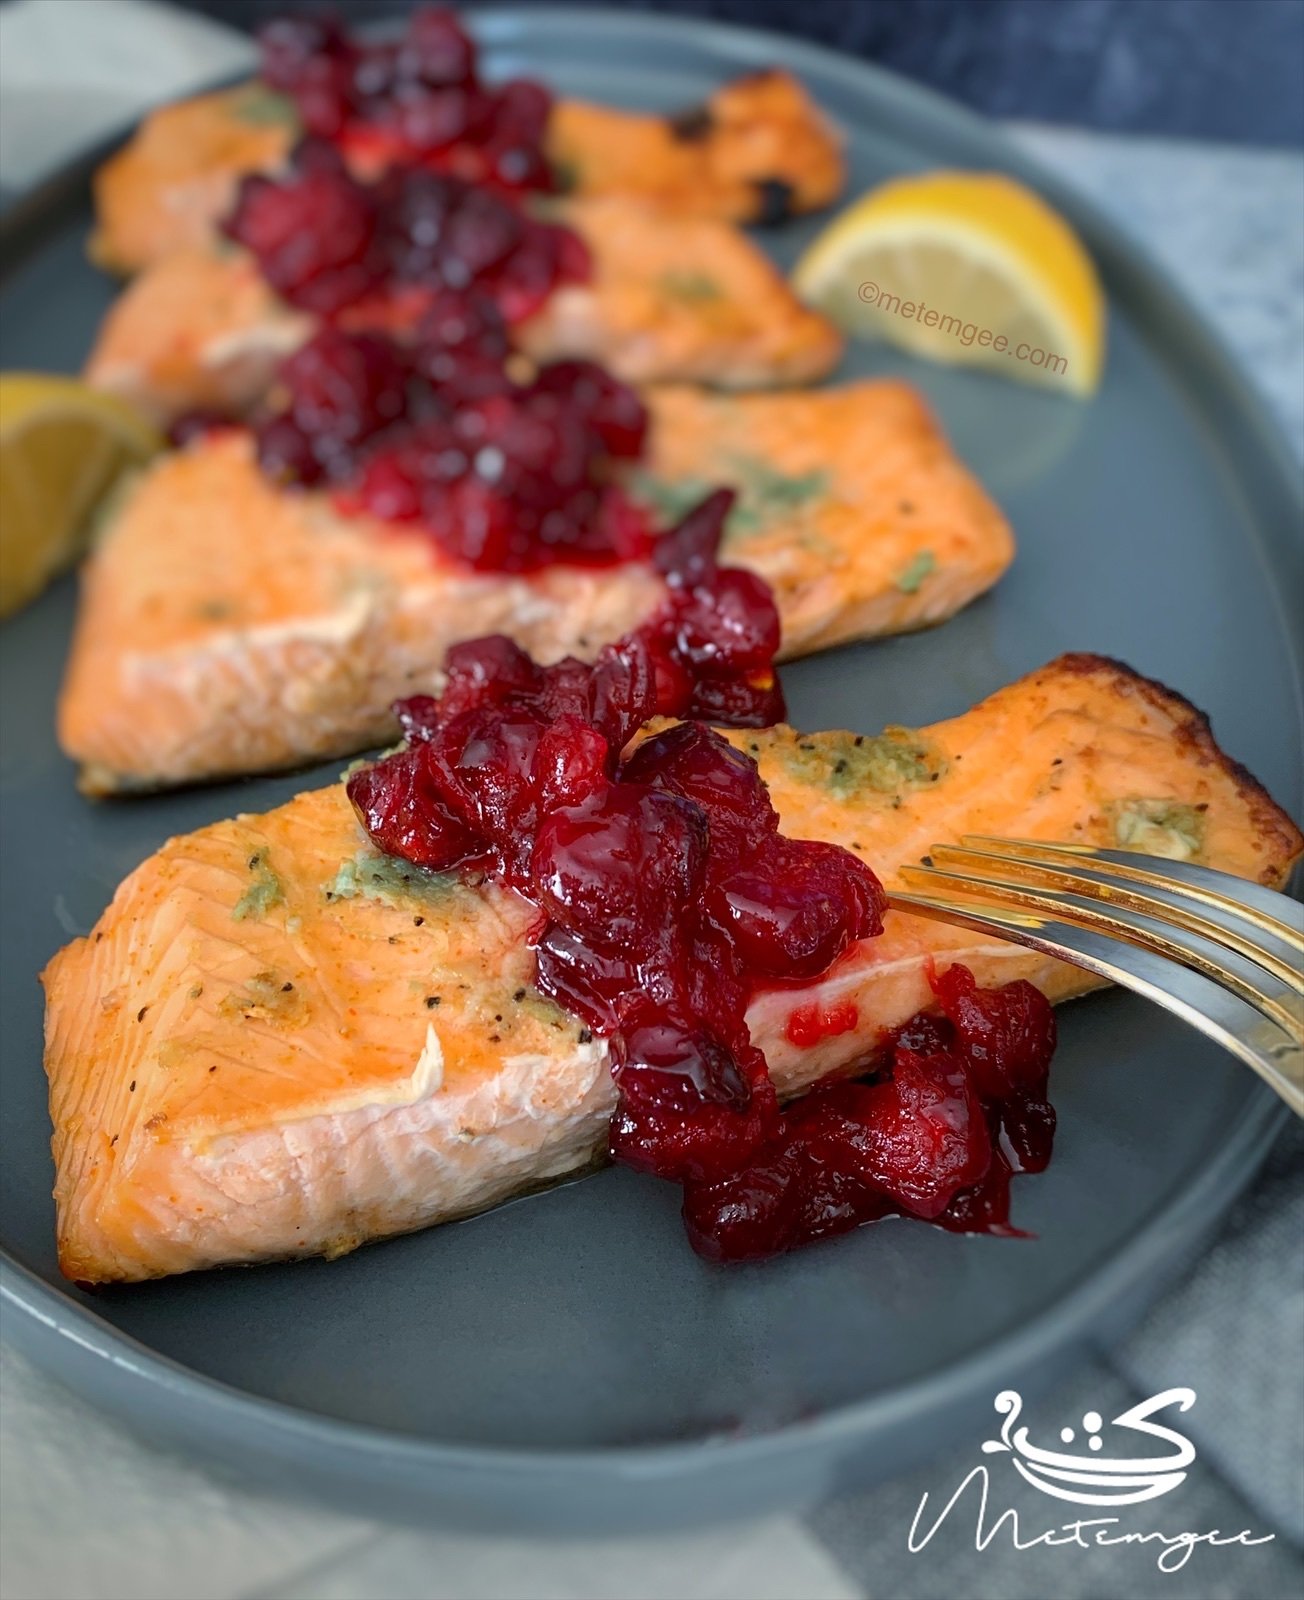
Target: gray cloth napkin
[1233, 1328]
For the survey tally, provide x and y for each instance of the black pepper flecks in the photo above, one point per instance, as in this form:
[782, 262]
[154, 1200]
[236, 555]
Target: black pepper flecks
[519, 995]
[140, 1015]
[432, 1000]
[586, 1036]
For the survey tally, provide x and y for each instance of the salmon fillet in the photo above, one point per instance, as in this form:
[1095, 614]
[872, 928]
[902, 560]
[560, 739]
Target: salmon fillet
[229, 626]
[851, 506]
[757, 149]
[276, 1043]
[694, 301]
[687, 299]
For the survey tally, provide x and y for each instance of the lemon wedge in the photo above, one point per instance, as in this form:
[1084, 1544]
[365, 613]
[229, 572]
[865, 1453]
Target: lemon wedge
[963, 267]
[62, 447]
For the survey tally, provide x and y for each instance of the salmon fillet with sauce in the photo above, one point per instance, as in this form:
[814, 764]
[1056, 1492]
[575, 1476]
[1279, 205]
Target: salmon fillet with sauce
[757, 150]
[689, 301]
[230, 626]
[276, 1043]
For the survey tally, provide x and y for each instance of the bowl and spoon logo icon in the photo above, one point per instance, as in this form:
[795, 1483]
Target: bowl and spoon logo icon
[1092, 1479]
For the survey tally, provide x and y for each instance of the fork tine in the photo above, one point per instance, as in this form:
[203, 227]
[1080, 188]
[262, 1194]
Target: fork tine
[1201, 951]
[1084, 875]
[1262, 1044]
[1260, 905]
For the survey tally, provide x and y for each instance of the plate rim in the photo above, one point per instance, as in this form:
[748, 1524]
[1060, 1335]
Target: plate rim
[1201, 354]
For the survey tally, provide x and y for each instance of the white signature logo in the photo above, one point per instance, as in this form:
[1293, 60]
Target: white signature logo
[1094, 1480]
[1088, 1479]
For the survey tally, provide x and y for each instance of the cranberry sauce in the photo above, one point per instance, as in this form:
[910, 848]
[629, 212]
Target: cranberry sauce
[667, 895]
[957, 1105]
[419, 99]
[436, 435]
[375, 252]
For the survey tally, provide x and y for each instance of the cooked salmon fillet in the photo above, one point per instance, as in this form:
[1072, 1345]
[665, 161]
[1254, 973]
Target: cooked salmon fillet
[276, 1043]
[756, 150]
[683, 299]
[852, 505]
[171, 184]
[229, 626]
[689, 301]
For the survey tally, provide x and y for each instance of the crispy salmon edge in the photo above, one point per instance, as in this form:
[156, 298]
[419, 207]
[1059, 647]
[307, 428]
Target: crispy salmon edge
[1195, 730]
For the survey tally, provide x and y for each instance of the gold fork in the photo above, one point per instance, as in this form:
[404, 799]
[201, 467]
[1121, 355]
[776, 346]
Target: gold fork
[1223, 954]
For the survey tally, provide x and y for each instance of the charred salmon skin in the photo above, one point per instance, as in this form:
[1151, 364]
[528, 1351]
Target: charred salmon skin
[690, 301]
[276, 1043]
[230, 626]
[757, 150]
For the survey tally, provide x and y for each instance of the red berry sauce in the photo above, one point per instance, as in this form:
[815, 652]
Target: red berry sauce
[434, 434]
[337, 247]
[418, 99]
[667, 895]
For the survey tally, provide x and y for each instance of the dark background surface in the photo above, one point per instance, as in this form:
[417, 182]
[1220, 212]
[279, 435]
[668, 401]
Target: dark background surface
[1217, 69]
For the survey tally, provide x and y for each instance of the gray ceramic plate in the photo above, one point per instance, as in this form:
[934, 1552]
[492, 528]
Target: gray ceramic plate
[566, 1361]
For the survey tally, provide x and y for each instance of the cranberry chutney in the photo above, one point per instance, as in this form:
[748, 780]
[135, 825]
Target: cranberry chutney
[417, 99]
[666, 896]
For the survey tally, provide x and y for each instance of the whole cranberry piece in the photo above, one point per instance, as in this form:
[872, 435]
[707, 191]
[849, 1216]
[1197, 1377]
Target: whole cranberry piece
[687, 1061]
[687, 553]
[343, 389]
[435, 49]
[546, 258]
[613, 410]
[485, 760]
[694, 761]
[733, 702]
[592, 984]
[288, 44]
[1007, 1035]
[622, 691]
[702, 1145]
[733, 624]
[313, 233]
[796, 906]
[919, 1138]
[618, 866]
[460, 322]
[481, 231]
[324, 96]
[385, 486]
[418, 716]
[400, 803]
[487, 672]
[573, 763]
[521, 109]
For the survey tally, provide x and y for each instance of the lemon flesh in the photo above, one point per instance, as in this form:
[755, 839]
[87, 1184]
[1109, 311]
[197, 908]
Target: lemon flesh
[62, 448]
[968, 268]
